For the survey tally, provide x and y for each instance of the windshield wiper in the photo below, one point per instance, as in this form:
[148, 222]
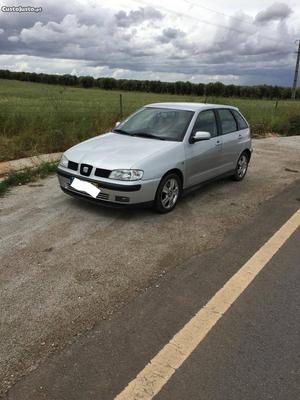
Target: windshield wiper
[148, 135]
[118, 130]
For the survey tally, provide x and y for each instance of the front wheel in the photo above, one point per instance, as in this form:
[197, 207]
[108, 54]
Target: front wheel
[168, 193]
[241, 167]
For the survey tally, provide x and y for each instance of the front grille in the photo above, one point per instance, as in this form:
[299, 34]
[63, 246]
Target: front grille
[103, 173]
[85, 169]
[73, 165]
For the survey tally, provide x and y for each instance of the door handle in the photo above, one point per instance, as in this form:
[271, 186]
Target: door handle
[240, 136]
[218, 143]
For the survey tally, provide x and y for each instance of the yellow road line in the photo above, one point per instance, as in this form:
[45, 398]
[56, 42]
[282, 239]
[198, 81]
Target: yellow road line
[160, 369]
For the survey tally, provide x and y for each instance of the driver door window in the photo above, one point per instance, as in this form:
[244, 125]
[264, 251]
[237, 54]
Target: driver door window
[206, 122]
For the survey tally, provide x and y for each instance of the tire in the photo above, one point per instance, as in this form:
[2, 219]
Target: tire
[168, 193]
[241, 167]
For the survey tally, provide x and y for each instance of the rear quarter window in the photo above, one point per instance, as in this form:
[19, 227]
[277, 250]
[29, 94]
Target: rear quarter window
[240, 120]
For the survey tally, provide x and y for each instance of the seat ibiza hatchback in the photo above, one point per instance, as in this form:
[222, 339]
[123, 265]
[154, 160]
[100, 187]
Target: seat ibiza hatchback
[157, 154]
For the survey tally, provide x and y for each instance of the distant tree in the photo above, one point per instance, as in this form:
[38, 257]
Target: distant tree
[108, 83]
[86, 81]
[68, 80]
[179, 87]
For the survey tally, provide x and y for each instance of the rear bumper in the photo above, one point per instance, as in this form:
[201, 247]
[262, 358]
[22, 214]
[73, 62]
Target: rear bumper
[112, 193]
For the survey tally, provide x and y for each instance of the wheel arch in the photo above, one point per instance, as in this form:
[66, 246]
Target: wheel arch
[247, 152]
[176, 171]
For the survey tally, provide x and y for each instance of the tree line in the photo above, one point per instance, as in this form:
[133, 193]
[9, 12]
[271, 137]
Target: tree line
[179, 87]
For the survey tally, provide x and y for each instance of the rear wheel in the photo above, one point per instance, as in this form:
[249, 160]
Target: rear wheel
[168, 193]
[241, 167]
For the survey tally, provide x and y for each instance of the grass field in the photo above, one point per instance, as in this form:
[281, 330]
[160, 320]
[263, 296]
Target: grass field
[37, 118]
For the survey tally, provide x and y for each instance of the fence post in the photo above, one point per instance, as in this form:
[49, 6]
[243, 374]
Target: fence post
[276, 104]
[121, 106]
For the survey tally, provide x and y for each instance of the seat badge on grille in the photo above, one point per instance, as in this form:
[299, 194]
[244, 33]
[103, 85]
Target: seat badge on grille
[85, 170]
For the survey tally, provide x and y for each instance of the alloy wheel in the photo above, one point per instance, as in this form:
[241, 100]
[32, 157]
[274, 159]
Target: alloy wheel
[242, 166]
[169, 193]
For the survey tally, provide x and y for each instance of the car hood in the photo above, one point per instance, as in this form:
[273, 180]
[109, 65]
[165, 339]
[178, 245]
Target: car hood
[114, 151]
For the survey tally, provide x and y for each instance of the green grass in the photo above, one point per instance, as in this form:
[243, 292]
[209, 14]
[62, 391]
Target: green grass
[27, 175]
[38, 118]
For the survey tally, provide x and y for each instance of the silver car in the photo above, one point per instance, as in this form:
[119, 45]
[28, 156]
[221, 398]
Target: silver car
[158, 153]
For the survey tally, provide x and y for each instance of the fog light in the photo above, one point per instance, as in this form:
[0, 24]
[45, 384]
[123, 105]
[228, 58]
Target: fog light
[123, 199]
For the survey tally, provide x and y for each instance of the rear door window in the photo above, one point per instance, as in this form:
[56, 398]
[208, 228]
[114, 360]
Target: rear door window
[228, 122]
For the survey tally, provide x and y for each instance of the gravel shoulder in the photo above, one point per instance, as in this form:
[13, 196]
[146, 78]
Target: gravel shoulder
[66, 264]
[29, 162]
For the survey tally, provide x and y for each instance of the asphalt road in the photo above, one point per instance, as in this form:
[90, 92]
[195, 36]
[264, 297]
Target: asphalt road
[88, 295]
[252, 352]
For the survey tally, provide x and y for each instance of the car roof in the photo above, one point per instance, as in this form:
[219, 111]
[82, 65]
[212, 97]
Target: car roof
[189, 106]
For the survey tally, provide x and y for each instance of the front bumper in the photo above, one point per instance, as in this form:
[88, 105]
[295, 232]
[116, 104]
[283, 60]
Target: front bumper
[125, 193]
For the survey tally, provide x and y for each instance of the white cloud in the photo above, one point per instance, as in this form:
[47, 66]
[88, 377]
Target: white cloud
[13, 39]
[134, 40]
[275, 12]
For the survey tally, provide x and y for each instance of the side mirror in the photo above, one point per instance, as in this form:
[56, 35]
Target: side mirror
[200, 135]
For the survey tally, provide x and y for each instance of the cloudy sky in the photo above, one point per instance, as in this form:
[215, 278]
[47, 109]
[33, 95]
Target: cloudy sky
[237, 41]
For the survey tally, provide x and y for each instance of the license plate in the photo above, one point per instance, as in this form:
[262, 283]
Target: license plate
[73, 177]
[84, 186]
[95, 184]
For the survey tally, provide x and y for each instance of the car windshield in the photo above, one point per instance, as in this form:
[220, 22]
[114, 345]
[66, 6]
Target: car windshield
[157, 123]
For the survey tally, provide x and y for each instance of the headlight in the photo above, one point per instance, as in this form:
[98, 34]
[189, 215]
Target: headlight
[126, 174]
[64, 161]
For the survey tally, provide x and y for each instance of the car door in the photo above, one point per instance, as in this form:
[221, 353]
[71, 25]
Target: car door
[230, 140]
[203, 158]
[243, 132]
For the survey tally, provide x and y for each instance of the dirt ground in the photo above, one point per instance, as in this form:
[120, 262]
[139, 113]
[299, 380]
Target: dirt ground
[66, 264]
[15, 165]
